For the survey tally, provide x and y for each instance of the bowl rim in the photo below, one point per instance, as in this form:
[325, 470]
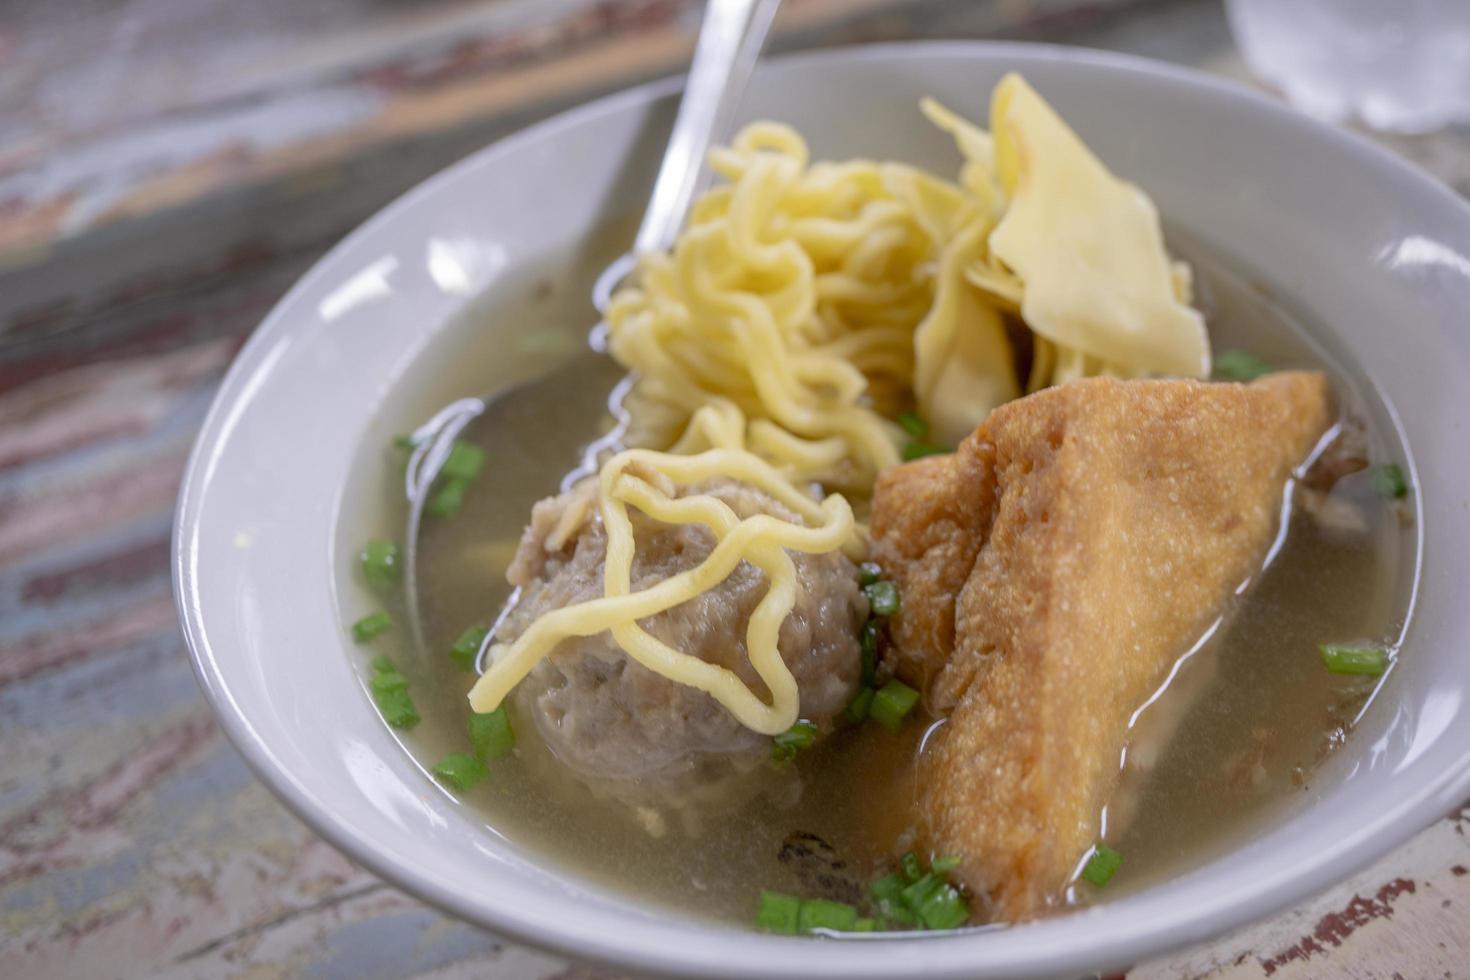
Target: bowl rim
[954, 955]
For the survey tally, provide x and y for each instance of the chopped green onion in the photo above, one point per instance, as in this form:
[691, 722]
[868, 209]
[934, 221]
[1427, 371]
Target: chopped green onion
[461, 770]
[887, 887]
[396, 706]
[778, 913]
[882, 598]
[918, 450]
[467, 647]
[865, 925]
[491, 734]
[892, 912]
[912, 870]
[464, 462]
[818, 913]
[946, 864]
[943, 908]
[858, 710]
[447, 499]
[869, 572]
[894, 700]
[388, 680]
[1388, 481]
[1239, 365]
[380, 565]
[916, 894]
[916, 427]
[1364, 660]
[1102, 865]
[799, 736]
[372, 625]
[382, 665]
[868, 644]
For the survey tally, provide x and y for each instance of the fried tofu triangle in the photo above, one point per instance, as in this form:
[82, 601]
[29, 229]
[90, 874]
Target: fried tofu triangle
[1053, 569]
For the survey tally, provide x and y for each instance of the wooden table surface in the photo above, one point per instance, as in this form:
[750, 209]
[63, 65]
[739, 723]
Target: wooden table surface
[167, 169]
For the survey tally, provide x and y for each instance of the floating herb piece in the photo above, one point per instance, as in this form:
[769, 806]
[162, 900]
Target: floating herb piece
[778, 913]
[882, 598]
[918, 450]
[380, 565]
[892, 702]
[464, 462]
[461, 771]
[799, 736]
[491, 734]
[1387, 480]
[371, 626]
[1365, 661]
[1103, 864]
[467, 647]
[818, 913]
[1239, 365]
[446, 501]
[916, 427]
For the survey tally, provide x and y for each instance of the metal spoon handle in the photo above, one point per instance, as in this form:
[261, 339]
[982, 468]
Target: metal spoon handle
[730, 40]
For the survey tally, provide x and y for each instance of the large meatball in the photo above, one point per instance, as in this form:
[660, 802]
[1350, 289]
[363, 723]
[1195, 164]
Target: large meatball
[630, 731]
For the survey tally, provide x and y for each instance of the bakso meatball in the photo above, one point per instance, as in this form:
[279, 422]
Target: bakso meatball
[629, 731]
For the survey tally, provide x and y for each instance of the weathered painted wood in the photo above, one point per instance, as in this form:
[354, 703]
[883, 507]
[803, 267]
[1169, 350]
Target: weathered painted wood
[133, 841]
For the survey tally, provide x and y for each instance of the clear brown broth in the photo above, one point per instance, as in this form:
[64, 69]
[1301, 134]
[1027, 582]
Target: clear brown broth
[1241, 728]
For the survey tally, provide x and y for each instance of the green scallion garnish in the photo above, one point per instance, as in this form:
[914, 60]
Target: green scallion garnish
[372, 625]
[1239, 365]
[446, 500]
[945, 864]
[778, 913]
[467, 647]
[819, 913]
[916, 427]
[461, 771]
[943, 908]
[464, 462]
[1388, 481]
[868, 644]
[882, 598]
[915, 895]
[892, 913]
[910, 866]
[1366, 661]
[1103, 864]
[857, 709]
[892, 702]
[397, 707]
[380, 565]
[918, 450]
[799, 736]
[869, 572]
[887, 887]
[390, 680]
[491, 734]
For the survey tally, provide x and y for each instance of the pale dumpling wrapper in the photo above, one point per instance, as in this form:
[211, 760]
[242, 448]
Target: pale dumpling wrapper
[1086, 248]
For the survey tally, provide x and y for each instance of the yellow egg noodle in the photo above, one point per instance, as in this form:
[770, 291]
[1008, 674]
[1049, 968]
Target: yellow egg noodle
[761, 539]
[802, 298]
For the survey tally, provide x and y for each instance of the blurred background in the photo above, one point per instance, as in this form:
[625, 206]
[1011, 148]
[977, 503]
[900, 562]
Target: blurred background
[169, 167]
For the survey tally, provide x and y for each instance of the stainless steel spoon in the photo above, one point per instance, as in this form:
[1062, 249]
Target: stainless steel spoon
[731, 36]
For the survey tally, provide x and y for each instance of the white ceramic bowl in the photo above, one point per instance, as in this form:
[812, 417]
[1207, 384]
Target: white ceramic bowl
[1354, 237]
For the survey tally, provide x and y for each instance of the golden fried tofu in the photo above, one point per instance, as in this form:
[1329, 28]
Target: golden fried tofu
[1106, 525]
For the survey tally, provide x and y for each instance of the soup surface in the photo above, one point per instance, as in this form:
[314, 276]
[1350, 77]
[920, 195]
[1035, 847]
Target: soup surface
[1236, 734]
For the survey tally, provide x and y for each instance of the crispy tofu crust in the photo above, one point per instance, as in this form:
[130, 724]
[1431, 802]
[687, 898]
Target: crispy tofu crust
[1052, 571]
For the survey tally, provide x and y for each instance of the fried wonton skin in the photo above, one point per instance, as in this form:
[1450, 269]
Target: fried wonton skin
[1052, 571]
